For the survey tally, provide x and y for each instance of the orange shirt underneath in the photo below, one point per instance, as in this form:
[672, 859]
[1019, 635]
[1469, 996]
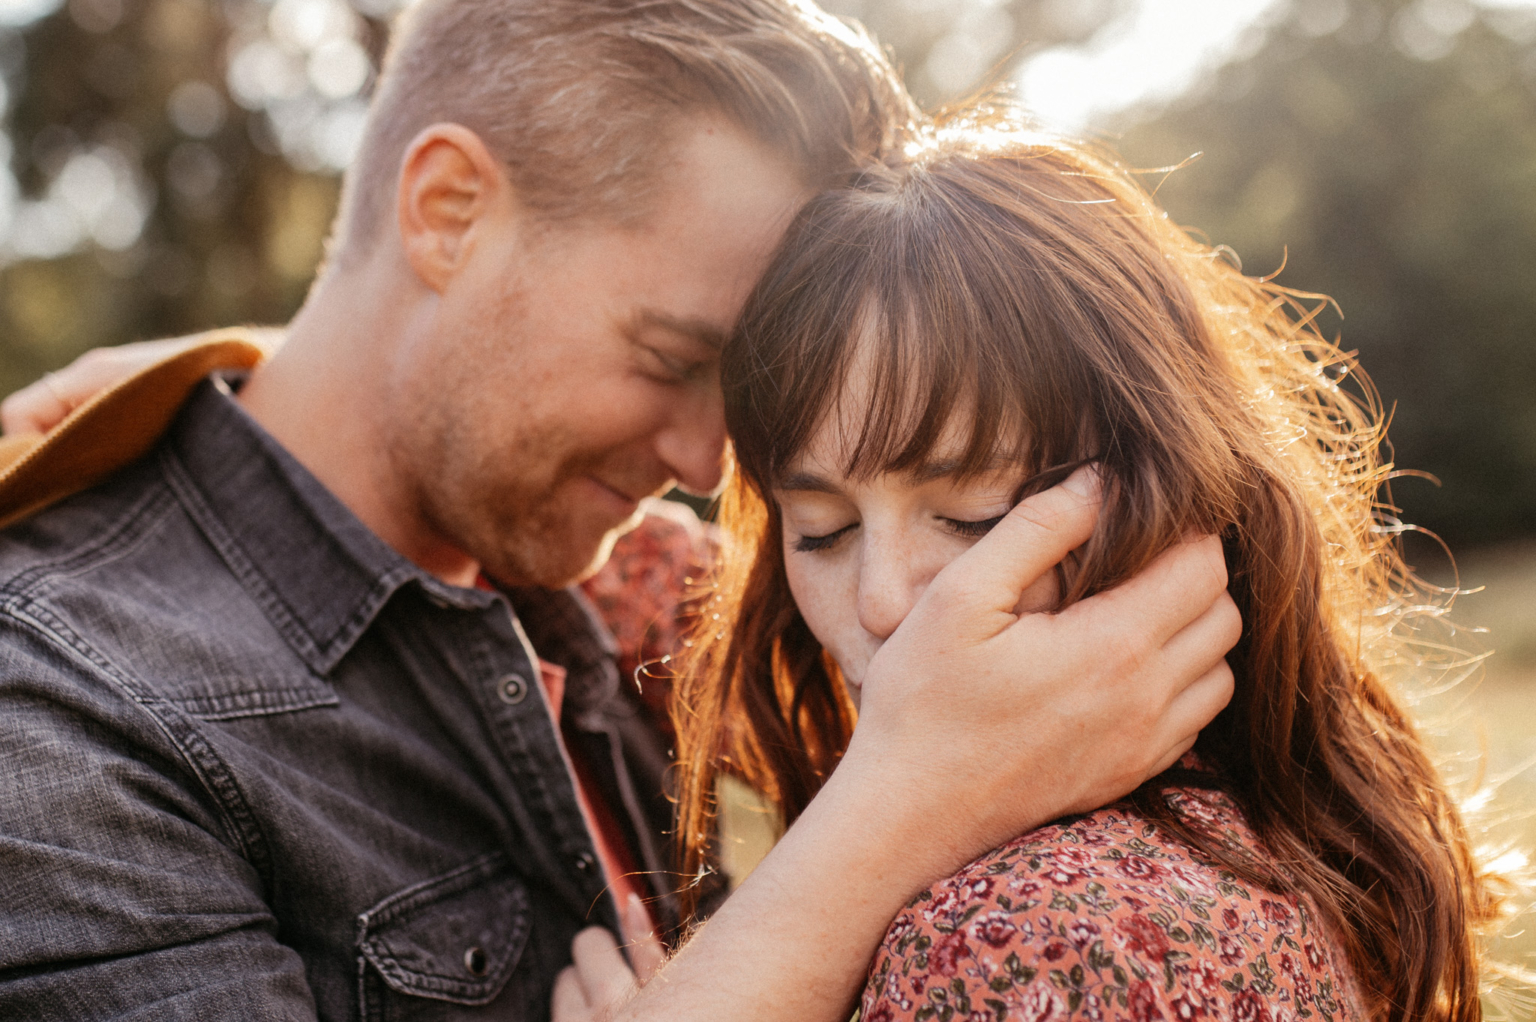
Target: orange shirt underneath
[618, 862]
[613, 852]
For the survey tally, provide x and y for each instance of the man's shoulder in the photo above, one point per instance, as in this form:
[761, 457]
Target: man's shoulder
[119, 583]
[81, 532]
[117, 425]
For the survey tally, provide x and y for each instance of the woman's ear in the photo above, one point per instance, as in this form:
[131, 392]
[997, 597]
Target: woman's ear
[451, 189]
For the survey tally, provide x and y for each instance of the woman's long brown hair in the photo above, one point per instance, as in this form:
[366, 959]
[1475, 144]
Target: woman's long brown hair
[1033, 288]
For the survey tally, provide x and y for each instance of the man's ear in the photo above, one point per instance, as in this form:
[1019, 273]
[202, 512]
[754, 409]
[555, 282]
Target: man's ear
[449, 184]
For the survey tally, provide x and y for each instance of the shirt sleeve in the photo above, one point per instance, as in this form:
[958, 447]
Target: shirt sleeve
[125, 890]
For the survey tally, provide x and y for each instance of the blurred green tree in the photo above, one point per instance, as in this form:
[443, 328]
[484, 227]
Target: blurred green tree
[173, 164]
[947, 49]
[1390, 150]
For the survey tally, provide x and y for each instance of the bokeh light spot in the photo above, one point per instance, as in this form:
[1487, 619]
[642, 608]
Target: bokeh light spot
[196, 108]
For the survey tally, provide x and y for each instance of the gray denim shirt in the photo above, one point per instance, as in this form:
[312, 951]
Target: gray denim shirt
[256, 765]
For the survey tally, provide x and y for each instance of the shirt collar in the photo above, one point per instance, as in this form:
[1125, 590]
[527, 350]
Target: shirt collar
[318, 572]
[566, 629]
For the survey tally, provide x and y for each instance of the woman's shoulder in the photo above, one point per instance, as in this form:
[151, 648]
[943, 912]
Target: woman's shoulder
[1109, 916]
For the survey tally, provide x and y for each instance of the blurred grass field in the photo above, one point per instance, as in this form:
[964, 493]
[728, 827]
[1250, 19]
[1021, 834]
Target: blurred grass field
[1485, 727]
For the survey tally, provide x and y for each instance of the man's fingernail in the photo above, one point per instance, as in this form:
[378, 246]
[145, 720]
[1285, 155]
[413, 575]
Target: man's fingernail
[1085, 482]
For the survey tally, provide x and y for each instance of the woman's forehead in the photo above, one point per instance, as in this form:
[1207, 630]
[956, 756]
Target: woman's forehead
[888, 410]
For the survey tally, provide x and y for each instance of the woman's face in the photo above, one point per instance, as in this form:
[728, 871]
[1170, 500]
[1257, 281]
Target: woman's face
[859, 553]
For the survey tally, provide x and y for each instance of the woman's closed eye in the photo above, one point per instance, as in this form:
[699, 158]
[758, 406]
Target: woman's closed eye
[961, 527]
[810, 544]
[972, 530]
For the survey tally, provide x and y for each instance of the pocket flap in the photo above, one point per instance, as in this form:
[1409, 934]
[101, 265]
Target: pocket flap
[455, 938]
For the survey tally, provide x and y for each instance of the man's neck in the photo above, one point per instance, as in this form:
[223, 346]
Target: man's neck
[323, 397]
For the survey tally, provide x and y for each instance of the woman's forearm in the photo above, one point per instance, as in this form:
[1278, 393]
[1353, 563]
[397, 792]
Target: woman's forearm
[954, 754]
[794, 941]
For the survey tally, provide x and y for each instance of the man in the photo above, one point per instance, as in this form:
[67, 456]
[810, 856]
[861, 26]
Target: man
[274, 743]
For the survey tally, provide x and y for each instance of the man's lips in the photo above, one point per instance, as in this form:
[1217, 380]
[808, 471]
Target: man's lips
[617, 496]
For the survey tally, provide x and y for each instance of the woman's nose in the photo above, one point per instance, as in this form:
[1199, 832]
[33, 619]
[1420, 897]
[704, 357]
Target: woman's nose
[888, 588]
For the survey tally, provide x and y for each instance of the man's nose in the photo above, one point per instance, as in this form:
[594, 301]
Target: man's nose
[888, 589]
[692, 443]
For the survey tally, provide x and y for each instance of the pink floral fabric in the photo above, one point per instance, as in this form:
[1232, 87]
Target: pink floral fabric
[643, 594]
[1107, 917]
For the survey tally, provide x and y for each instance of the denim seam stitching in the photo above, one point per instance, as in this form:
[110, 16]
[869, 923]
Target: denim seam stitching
[137, 524]
[204, 762]
[267, 702]
[321, 653]
[479, 869]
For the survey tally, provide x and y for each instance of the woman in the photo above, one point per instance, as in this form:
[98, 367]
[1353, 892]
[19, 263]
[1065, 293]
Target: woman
[953, 334]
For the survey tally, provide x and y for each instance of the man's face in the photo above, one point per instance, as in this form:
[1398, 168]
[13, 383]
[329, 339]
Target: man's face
[571, 370]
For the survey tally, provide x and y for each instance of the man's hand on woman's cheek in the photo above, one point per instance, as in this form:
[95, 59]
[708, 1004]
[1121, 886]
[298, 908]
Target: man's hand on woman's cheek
[983, 723]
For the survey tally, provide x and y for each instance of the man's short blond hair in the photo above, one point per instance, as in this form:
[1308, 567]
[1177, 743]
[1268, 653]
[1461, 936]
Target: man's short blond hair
[580, 98]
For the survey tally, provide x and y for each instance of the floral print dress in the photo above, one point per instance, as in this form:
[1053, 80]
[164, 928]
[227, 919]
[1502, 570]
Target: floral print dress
[1107, 917]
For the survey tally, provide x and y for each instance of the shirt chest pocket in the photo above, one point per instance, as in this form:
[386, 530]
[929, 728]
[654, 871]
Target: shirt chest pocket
[450, 943]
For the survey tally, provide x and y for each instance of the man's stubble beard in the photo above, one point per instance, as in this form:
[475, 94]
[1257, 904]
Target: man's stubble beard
[503, 508]
[539, 545]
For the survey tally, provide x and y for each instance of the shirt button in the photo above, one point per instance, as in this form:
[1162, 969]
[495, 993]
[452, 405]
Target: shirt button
[476, 962]
[513, 689]
[585, 862]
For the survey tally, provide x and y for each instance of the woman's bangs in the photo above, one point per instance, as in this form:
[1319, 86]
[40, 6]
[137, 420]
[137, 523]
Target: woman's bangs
[928, 324]
[918, 397]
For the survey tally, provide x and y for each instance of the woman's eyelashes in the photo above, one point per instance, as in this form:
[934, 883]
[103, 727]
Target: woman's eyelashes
[958, 526]
[669, 368]
[973, 530]
[810, 544]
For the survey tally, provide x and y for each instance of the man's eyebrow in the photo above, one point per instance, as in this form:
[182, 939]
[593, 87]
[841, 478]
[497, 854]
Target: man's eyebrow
[805, 482]
[705, 333]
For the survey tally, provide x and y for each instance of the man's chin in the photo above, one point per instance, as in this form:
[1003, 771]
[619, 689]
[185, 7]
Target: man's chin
[559, 559]
[602, 553]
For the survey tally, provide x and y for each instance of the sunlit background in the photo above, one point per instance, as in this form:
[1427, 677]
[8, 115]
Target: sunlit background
[171, 165]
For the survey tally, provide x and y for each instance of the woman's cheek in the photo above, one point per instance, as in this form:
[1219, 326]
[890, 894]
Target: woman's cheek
[816, 587]
[803, 589]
